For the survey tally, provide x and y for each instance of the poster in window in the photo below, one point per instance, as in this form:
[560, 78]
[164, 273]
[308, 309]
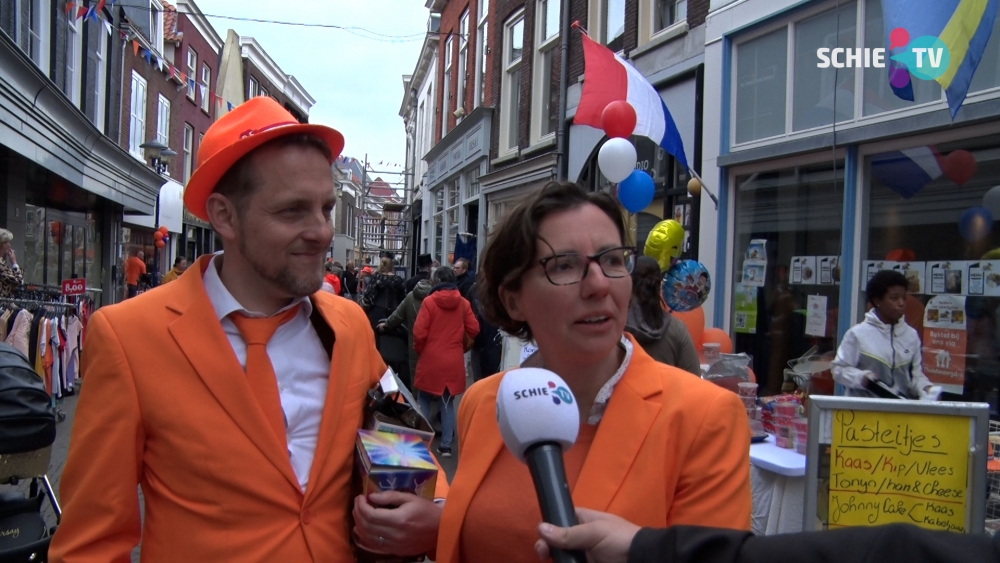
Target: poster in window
[984, 278]
[804, 270]
[755, 263]
[682, 214]
[947, 277]
[944, 344]
[746, 309]
[829, 270]
[914, 272]
[871, 267]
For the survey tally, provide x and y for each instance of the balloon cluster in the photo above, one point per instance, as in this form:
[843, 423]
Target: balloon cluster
[161, 236]
[617, 158]
[686, 283]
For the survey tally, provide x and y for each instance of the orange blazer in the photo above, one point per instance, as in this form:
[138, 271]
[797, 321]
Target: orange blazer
[166, 406]
[671, 449]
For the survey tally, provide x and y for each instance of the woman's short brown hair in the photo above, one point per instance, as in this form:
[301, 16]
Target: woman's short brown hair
[512, 250]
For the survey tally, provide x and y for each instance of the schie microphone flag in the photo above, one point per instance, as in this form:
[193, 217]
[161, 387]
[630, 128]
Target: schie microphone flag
[608, 78]
[963, 27]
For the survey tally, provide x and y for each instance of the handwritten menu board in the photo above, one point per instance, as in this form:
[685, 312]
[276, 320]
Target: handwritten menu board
[893, 467]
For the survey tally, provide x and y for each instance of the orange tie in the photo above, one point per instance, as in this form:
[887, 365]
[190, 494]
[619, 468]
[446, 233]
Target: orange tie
[257, 332]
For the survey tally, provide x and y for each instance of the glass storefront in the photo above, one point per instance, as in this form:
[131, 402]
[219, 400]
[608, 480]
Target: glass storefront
[788, 240]
[61, 245]
[930, 215]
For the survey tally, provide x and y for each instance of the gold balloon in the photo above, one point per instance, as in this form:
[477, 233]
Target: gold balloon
[694, 187]
[665, 242]
[992, 255]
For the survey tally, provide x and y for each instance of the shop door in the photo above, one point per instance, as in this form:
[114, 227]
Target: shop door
[66, 247]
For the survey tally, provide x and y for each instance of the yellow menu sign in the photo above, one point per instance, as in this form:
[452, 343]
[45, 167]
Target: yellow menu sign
[899, 468]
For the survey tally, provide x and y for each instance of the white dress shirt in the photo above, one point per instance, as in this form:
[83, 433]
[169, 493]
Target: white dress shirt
[300, 362]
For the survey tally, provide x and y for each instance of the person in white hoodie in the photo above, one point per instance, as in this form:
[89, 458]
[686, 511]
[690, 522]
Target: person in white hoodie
[883, 347]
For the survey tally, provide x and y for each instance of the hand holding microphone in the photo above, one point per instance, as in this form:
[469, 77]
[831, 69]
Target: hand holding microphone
[538, 419]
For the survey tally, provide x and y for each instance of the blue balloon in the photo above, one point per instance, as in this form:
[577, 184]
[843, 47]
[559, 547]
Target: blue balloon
[636, 192]
[975, 224]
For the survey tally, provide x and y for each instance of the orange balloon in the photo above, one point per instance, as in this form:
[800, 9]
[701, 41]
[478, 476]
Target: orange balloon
[160, 244]
[164, 230]
[694, 320]
[158, 236]
[718, 336]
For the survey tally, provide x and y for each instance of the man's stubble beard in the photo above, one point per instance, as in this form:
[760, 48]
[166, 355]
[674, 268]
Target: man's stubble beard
[284, 279]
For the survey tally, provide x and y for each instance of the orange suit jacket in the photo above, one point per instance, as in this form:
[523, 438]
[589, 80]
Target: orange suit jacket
[671, 449]
[166, 405]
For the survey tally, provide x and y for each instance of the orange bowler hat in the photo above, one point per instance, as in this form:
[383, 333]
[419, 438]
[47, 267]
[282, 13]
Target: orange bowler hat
[240, 131]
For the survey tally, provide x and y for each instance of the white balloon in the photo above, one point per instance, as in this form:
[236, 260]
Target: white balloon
[991, 201]
[617, 159]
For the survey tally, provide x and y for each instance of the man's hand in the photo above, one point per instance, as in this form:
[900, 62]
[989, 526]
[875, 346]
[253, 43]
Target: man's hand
[604, 537]
[380, 327]
[411, 528]
[12, 257]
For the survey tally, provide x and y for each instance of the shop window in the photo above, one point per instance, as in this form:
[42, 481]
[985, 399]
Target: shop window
[879, 97]
[788, 240]
[816, 90]
[761, 69]
[33, 262]
[923, 219]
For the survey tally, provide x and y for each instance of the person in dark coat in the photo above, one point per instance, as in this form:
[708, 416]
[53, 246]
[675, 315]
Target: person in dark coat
[663, 337]
[487, 351]
[350, 281]
[464, 279]
[423, 272]
[609, 539]
[444, 320]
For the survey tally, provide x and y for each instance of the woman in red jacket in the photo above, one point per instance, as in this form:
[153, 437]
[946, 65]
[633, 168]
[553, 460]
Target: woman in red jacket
[439, 333]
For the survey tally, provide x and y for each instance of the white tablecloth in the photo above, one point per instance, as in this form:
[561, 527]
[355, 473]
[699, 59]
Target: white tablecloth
[778, 483]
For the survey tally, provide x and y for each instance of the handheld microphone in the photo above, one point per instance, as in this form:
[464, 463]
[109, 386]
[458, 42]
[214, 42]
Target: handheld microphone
[538, 419]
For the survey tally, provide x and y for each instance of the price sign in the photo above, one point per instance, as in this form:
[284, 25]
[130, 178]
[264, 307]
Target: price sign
[76, 286]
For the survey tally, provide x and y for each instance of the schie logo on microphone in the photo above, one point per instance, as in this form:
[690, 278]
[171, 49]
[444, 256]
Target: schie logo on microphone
[926, 57]
[559, 394]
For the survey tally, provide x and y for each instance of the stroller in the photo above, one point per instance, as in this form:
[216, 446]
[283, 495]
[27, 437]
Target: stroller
[394, 348]
[27, 431]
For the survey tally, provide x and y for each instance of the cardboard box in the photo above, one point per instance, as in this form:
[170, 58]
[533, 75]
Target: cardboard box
[395, 462]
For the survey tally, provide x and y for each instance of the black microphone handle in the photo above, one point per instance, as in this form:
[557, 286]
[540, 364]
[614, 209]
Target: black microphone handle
[545, 461]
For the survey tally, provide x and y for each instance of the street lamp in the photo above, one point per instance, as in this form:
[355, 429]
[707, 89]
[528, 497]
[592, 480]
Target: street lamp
[160, 156]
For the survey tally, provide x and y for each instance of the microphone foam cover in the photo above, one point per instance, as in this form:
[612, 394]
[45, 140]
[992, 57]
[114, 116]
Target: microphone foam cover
[533, 406]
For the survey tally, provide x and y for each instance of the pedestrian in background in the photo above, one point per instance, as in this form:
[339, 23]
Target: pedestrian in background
[661, 335]
[11, 276]
[445, 319]
[406, 315]
[180, 265]
[135, 267]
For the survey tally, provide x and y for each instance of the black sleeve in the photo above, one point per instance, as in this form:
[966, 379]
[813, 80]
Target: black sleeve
[896, 542]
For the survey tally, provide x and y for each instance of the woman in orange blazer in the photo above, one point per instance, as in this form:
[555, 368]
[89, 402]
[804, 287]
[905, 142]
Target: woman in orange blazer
[656, 446]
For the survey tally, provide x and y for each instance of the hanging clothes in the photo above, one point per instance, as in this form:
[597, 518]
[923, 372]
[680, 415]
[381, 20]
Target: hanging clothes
[18, 335]
[465, 247]
[71, 356]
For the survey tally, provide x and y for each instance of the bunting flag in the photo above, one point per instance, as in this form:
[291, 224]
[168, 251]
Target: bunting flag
[107, 26]
[149, 57]
[135, 47]
[69, 7]
[190, 82]
[229, 106]
[94, 16]
[81, 12]
[100, 5]
[204, 91]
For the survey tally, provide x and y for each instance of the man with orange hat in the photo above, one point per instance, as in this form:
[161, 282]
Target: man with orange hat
[233, 396]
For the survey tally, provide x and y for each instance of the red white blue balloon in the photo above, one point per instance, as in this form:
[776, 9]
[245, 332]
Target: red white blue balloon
[975, 224]
[636, 192]
[616, 159]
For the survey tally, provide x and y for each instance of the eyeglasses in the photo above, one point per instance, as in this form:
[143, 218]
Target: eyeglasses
[570, 268]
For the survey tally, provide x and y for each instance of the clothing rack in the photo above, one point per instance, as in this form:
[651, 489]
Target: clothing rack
[53, 406]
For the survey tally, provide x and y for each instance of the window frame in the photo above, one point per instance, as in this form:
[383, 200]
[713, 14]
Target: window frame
[463, 59]
[253, 88]
[482, 53]
[544, 46]
[156, 25]
[163, 119]
[188, 150]
[192, 69]
[74, 61]
[137, 116]
[509, 114]
[446, 84]
[100, 83]
[647, 22]
[206, 80]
